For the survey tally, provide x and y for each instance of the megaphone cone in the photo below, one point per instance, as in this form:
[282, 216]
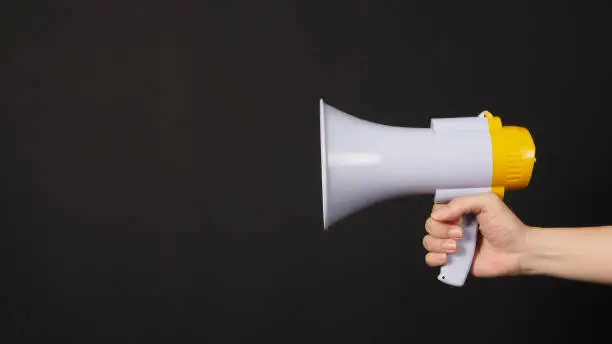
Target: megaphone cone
[363, 163]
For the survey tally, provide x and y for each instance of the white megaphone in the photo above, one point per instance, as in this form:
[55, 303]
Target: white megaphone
[363, 163]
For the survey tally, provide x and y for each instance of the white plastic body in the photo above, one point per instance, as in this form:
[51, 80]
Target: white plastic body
[364, 163]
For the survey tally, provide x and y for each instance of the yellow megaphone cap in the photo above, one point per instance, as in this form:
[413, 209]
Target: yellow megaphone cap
[513, 154]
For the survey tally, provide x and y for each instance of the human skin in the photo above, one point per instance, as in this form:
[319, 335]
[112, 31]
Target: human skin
[510, 247]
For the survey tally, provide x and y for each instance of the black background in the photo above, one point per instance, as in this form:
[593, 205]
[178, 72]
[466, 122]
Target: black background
[161, 177]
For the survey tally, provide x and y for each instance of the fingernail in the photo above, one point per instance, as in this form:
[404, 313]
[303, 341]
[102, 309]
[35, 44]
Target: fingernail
[449, 245]
[440, 212]
[455, 232]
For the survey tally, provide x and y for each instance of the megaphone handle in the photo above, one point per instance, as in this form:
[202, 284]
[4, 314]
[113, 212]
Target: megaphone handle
[456, 270]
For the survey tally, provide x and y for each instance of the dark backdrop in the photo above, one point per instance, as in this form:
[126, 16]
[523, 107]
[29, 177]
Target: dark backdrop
[161, 170]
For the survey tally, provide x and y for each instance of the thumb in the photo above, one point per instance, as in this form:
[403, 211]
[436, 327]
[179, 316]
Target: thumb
[473, 204]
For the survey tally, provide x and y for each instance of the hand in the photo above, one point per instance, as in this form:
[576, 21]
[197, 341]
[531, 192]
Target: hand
[503, 234]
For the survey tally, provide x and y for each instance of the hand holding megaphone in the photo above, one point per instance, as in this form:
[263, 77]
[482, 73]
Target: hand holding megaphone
[363, 163]
[503, 234]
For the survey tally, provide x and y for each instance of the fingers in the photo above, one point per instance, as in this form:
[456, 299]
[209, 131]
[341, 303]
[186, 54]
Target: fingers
[441, 239]
[438, 245]
[443, 230]
[436, 206]
[443, 226]
[436, 259]
[473, 204]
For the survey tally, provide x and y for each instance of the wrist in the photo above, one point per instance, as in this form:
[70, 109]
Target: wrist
[528, 259]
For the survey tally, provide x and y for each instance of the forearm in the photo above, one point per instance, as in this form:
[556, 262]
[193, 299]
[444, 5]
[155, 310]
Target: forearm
[573, 253]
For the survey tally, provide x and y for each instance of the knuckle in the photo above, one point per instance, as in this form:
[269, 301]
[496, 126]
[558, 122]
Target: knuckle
[428, 224]
[492, 201]
[435, 259]
[436, 229]
[429, 243]
[426, 241]
[437, 206]
[429, 259]
[491, 197]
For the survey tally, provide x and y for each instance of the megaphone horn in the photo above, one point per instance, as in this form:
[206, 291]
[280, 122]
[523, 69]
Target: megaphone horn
[363, 163]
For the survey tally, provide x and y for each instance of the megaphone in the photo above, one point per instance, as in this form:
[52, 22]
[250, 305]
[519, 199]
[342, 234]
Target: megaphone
[363, 163]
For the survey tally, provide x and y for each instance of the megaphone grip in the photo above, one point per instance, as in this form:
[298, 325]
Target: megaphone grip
[456, 270]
